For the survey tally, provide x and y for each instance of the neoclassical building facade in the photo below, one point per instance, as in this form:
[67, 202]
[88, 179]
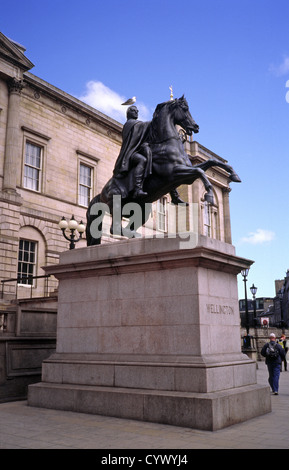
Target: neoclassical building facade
[56, 153]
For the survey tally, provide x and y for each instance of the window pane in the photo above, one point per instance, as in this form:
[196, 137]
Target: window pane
[162, 214]
[85, 185]
[207, 219]
[84, 196]
[85, 175]
[31, 178]
[32, 166]
[33, 155]
[26, 261]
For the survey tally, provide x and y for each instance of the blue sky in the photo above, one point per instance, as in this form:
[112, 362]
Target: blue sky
[231, 60]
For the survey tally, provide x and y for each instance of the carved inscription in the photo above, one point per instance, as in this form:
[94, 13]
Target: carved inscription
[220, 309]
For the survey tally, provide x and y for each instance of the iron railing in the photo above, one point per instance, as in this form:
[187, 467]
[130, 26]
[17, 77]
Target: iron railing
[26, 278]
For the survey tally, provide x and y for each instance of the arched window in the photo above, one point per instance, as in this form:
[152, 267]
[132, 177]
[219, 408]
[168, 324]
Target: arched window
[162, 219]
[27, 261]
[207, 219]
[31, 258]
[210, 219]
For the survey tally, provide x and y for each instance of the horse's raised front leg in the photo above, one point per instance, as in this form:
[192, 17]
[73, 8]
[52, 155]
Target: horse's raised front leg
[209, 196]
[210, 163]
[190, 174]
[234, 177]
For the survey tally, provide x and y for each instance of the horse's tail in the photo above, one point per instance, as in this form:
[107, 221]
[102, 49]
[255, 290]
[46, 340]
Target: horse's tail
[90, 240]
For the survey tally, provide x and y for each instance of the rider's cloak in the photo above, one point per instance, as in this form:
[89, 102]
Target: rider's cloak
[134, 135]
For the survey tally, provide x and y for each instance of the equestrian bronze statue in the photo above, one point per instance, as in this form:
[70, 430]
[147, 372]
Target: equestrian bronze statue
[152, 162]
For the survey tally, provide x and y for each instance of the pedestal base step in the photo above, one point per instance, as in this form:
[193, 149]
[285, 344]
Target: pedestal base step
[206, 411]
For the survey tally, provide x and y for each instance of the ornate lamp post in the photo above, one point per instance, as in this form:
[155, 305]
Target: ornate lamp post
[247, 339]
[72, 225]
[253, 290]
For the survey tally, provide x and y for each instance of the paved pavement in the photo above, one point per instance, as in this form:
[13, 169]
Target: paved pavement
[25, 427]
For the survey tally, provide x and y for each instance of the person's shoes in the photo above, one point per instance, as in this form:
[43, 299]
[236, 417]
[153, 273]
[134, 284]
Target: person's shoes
[276, 393]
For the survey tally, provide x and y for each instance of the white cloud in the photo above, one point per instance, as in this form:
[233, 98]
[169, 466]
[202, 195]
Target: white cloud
[102, 98]
[259, 237]
[281, 69]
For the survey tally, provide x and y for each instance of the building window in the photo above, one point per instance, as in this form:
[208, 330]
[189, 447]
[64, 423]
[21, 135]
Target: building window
[207, 219]
[32, 166]
[26, 261]
[211, 224]
[162, 214]
[85, 184]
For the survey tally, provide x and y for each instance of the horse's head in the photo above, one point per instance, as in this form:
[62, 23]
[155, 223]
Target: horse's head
[183, 116]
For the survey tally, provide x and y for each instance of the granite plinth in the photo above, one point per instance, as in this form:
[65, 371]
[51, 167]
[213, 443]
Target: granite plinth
[149, 329]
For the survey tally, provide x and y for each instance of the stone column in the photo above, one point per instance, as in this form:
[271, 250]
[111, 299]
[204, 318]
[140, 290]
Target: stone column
[12, 136]
[227, 218]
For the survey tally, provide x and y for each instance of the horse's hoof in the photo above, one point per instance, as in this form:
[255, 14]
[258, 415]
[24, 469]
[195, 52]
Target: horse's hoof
[209, 198]
[178, 200]
[234, 177]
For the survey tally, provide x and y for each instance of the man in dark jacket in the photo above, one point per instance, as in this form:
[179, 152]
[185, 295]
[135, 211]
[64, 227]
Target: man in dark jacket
[273, 362]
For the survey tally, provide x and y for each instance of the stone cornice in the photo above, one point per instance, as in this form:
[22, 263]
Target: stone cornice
[81, 107]
[147, 255]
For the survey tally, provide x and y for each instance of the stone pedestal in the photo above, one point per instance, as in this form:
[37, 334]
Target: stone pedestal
[149, 329]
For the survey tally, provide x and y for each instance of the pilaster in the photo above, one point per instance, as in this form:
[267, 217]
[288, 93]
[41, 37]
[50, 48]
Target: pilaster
[227, 219]
[12, 146]
[10, 205]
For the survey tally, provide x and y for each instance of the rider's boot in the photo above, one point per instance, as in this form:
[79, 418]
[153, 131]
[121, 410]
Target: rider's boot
[176, 198]
[138, 193]
[138, 183]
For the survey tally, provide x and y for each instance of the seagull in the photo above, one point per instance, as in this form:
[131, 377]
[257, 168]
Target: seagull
[130, 101]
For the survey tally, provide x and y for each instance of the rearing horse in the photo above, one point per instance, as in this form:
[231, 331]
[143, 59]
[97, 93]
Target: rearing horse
[171, 166]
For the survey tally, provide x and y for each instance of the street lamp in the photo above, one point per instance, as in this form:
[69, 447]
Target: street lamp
[253, 290]
[72, 225]
[247, 339]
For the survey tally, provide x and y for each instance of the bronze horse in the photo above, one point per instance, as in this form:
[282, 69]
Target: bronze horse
[171, 167]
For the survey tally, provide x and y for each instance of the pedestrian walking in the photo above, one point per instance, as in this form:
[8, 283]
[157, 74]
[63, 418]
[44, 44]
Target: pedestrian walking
[274, 354]
[283, 342]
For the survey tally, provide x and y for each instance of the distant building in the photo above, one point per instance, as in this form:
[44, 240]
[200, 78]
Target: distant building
[275, 309]
[278, 312]
[56, 153]
[262, 304]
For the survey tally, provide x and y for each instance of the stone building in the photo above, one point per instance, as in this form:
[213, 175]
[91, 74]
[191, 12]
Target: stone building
[278, 311]
[56, 153]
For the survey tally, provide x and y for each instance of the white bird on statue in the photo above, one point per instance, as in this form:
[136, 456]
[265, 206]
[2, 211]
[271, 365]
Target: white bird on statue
[130, 101]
